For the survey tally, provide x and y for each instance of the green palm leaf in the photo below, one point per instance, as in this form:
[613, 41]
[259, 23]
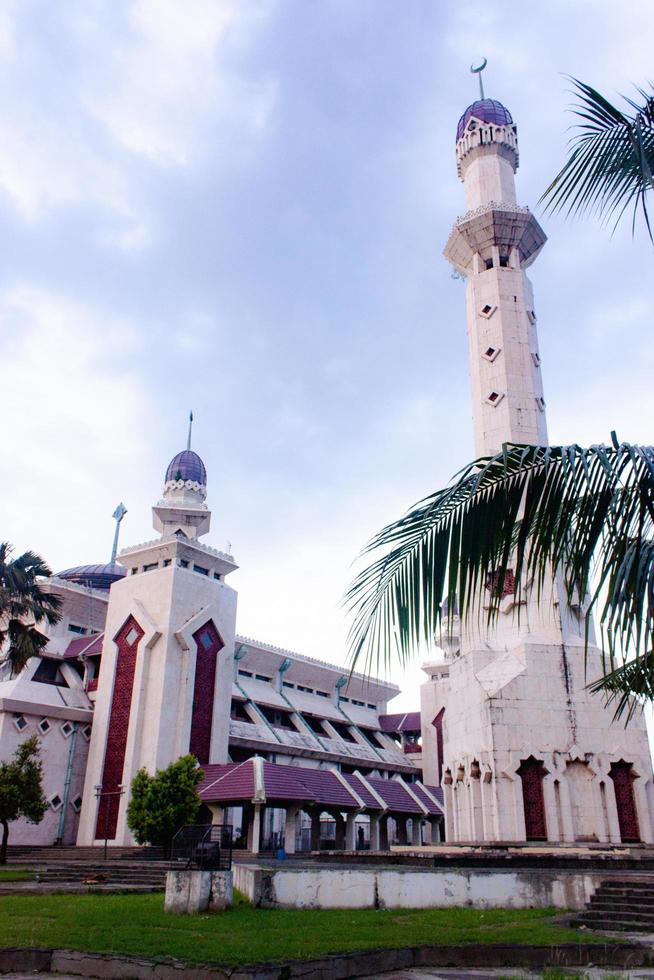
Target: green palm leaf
[24, 605]
[611, 162]
[588, 512]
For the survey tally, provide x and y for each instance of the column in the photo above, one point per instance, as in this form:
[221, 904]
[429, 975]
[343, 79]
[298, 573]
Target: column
[315, 829]
[350, 832]
[415, 832]
[435, 823]
[254, 830]
[339, 839]
[217, 813]
[375, 832]
[290, 828]
[383, 833]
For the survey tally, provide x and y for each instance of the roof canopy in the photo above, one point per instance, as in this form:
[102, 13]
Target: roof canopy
[259, 781]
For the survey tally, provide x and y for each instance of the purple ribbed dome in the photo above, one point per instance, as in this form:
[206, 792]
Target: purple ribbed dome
[94, 576]
[187, 465]
[489, 111]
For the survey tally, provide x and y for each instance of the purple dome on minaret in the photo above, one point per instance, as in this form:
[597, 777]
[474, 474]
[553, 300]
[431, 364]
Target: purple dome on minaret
[187, 465]
[489, 111]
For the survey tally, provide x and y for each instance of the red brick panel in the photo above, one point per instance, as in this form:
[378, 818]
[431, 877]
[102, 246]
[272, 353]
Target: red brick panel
[207, 645]
[127, 641]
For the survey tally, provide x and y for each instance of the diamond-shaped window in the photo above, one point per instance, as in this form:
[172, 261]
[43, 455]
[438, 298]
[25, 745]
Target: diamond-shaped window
[44, 726]
[491, 353]
[132, 637]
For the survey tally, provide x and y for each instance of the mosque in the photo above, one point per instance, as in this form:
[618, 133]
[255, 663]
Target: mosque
[146, 665]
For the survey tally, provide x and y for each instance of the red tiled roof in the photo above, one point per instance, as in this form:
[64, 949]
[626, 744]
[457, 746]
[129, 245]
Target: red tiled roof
[407, 722]
[324, 786]
[284, 782]
[212, 772]
[361, 790]
[90, 645]
[429, 803]
[393, 794]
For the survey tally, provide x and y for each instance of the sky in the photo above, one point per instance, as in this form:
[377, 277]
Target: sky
[239, 207]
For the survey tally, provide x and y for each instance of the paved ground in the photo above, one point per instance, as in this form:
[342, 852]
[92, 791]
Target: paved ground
[590, 973]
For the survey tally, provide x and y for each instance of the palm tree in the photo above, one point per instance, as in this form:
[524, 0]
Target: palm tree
[588, 512]
[24, 605]
[611, 161]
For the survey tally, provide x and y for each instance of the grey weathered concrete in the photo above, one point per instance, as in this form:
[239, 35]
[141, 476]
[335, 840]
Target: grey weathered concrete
[189, 892]
[409, 887]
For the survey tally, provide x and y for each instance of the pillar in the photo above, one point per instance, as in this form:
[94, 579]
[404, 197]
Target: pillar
[315, 829]
[415, 832]
[290, 829]
[375, 832]
[254, 830]
[217, 813]
[339, 840]
[383, 833]
[435, 826]
[350, 832]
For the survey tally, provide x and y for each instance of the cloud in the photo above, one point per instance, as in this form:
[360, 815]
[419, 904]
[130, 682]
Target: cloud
[70, 126]
[75, 411]
[162, 87]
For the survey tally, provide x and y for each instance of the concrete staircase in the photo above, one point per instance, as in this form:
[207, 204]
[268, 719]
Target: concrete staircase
[41, 854]
[620, 906]
[114, 874]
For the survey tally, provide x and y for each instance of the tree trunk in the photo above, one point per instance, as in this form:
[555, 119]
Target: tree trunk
[5, 837]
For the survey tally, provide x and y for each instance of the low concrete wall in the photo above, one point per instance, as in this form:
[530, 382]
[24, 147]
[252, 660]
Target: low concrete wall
[375, 887]
[190, 892]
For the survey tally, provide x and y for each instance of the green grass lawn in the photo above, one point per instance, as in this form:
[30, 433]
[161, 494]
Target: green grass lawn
[137, 925]
[16, 874]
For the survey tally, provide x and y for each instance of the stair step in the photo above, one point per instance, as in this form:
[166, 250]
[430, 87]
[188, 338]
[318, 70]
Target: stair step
[596, 904]
[622, 915]
[615, 925]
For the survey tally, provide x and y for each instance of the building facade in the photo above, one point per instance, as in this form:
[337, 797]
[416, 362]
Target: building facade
[146, 666]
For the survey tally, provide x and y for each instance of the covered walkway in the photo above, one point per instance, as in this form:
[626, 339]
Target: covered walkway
[352, 801]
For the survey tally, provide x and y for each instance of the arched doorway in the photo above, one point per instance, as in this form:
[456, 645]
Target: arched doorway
[623, 777]
[531, 773]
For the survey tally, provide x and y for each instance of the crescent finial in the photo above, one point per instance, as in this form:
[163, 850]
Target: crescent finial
[477, 71]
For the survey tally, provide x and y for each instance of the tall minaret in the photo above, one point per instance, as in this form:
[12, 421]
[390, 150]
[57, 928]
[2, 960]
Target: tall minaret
[166, 675]
[491, 245]
[526, 753]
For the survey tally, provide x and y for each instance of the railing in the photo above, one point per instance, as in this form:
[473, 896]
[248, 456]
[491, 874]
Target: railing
[208, 847]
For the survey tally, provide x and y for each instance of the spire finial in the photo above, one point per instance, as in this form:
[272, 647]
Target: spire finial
[117, 515]
[477, 71]
[190, 428]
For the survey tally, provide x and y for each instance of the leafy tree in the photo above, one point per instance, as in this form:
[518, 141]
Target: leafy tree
[159, 805]
[21, 793]
[611, 163]
[588, 512]
[24, 605]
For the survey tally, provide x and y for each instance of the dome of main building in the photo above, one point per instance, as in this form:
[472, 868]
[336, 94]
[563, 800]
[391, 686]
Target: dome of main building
[94, 576]
[187, 465]
[489, 111]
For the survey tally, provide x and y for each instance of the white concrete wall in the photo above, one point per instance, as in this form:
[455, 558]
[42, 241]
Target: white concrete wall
[398, 888]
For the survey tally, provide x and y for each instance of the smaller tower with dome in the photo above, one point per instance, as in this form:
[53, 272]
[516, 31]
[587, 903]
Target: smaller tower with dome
[167, 657]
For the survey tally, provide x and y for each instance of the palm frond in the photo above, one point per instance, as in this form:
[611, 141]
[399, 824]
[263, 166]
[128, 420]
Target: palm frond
[628, 685]
[529, 509]
[24, 604]
[611, 162]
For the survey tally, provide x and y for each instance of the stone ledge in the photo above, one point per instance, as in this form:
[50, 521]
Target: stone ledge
[335, 966]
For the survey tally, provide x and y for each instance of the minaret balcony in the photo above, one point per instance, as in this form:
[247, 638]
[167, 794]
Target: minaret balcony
[502, 225]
